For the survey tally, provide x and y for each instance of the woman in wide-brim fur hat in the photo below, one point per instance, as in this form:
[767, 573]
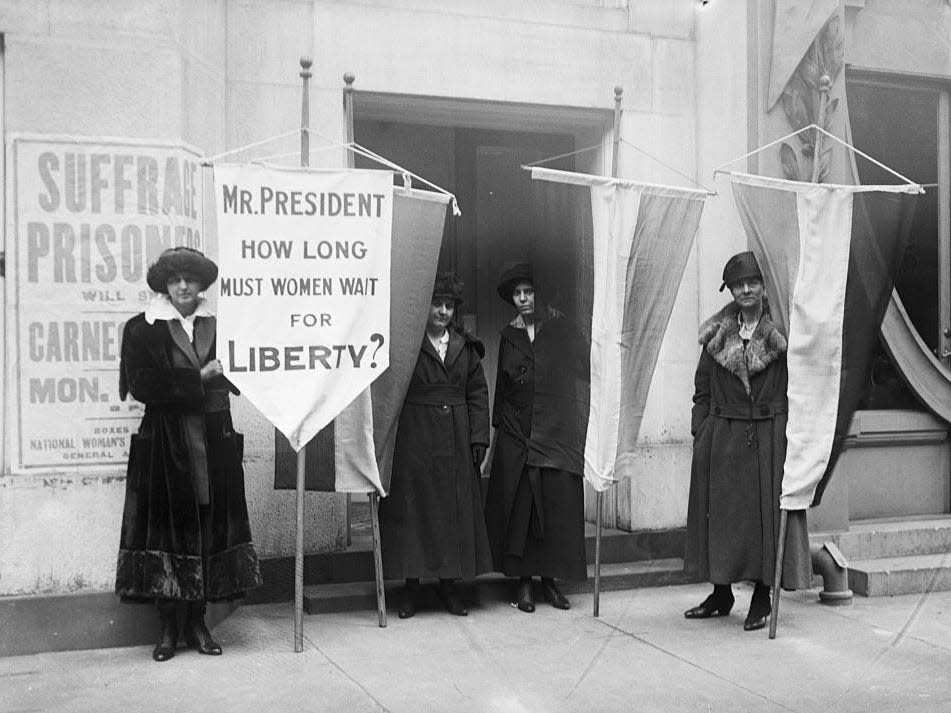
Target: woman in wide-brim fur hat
[535, 500]
[185, 537]
[739, 447]
[431, 523]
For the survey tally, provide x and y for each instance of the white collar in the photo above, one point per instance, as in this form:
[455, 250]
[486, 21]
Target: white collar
[161, 308]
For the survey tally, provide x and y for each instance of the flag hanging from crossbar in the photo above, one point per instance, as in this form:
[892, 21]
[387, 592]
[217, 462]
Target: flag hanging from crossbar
[636, 244]
[829, 255]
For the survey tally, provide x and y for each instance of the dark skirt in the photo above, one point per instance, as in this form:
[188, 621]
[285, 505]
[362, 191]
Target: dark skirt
[431, 523]
[543, 533]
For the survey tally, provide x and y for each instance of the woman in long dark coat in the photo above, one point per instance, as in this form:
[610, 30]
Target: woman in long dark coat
[535, 500]
[185, 536]
[431, 522]
[739, 428]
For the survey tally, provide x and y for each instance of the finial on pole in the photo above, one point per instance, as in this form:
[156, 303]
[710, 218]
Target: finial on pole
[305, 74]
[618, 92]
[348, 79]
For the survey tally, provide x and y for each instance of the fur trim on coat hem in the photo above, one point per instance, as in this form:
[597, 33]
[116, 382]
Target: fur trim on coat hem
[152, 574]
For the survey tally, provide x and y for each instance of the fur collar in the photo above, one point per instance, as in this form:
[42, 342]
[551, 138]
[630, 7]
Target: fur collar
[720, 335]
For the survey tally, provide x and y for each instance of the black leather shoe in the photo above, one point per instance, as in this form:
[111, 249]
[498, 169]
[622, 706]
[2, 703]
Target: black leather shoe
[553, 596]
[709, 607]
[197, 635]
[165, 648]
[451, 599]
[760, 609]
[753, 623]
[525, 596]
[408, 600]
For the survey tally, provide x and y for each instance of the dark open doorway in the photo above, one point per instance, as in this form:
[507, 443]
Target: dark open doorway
[504, 216]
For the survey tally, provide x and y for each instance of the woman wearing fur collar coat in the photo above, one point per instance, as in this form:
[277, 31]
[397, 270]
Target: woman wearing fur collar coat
[185, 536]
[739, 447]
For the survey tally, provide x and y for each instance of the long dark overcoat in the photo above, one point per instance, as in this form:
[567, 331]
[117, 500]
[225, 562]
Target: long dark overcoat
[185, 456]
[535, 500]
[739, 429]
[431, 522]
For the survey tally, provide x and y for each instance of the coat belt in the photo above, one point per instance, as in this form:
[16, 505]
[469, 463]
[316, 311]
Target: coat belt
[748, 411]
[436, 395]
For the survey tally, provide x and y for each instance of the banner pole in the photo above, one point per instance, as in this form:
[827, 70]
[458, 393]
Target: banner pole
[778, 577]
[618, 94]
[305, 63]
[299, 558]
[378, 558]
[599, 499]
[348, 79]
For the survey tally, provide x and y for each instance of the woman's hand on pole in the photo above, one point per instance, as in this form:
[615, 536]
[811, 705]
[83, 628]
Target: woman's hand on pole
[211, 370]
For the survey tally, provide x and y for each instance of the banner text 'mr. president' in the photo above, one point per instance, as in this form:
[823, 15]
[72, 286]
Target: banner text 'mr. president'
[271, 201]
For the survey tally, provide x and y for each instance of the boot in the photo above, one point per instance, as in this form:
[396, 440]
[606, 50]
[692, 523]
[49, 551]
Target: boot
[760, 608]
[553, 596]
[197, 635]
[525, 597]
[717, 604]
[165, 648]
[451, 599]
[408, 598]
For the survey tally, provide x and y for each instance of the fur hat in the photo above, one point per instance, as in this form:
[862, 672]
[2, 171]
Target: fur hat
[448, 285]
[513, 273]
[181, 261]
[741, 266]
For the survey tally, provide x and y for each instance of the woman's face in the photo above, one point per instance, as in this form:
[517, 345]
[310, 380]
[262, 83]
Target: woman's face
[183, 291]
[748, 292]
[523, 295]
[441, 311]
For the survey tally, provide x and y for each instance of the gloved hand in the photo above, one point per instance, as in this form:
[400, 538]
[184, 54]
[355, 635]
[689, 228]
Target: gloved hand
[478, 455]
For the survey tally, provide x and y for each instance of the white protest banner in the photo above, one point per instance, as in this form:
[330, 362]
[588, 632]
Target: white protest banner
[303, 289]
[88, 217]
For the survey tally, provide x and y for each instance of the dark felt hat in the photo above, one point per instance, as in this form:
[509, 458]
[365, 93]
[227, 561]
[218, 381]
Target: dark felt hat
[741, 266]
[448, 285]
[511, 274]
[181, 261]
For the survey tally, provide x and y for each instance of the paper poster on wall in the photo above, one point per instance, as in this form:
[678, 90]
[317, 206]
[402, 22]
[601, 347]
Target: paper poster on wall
[88, 216]
[303, 289]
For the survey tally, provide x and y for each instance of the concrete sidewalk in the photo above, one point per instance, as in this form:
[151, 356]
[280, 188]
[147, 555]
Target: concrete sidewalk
[881, 654]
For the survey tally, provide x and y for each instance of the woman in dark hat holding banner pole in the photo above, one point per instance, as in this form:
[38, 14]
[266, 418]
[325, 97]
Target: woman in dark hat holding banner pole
[185, 536]
[739, 448]
[535, 501]
[431, 523]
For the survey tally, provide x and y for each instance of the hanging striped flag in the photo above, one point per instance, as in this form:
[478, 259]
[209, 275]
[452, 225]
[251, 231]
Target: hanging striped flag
[354, 454]
[829, 255]
[634, 252]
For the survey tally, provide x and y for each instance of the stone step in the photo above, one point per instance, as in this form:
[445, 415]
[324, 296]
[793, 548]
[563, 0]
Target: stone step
[360, 596]
[892, 537]
[909, 574]
[355, 564]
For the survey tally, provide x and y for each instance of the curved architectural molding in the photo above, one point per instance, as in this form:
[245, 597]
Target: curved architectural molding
[923, 373]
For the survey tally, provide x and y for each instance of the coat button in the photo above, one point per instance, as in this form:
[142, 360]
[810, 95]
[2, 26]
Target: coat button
[444, 408]
[716, 410]
[764, 410]
[522, 369]
[518, 412]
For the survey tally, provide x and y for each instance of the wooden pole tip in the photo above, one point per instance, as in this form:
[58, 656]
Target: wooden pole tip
[306, 62]
[349, 78]
[618, 91]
